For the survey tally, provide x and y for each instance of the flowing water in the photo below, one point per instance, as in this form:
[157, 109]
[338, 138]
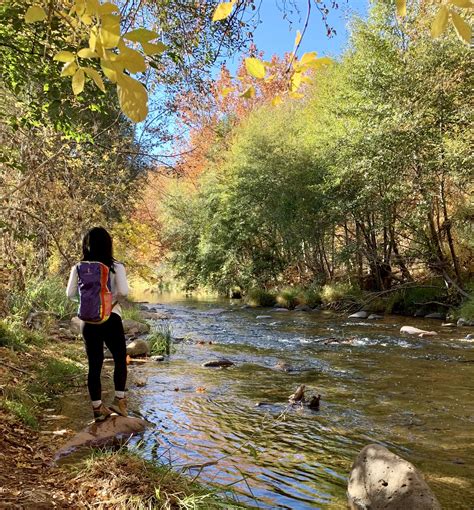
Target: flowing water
[413, 395]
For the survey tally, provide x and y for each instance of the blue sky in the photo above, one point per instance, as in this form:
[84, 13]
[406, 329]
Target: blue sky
[276, 35]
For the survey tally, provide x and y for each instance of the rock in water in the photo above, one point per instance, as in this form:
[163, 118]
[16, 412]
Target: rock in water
[138, 348]
[314, 402]
[359, 315]
[132, 327]
[218, 363]
[374, 317]
[464, 322]
[410, 330]
[379, 479]
[114, 428]
[302, 308]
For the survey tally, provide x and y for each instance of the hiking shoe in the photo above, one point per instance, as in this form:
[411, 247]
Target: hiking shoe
[119, 406]
[101, 412]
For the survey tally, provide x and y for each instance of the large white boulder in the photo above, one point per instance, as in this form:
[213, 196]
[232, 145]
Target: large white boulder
[379, 479]
[410, 330]
[132, 327]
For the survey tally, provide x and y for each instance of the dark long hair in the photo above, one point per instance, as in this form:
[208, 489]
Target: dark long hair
[97, 246]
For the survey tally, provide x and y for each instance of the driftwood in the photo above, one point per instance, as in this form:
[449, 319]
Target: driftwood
[298, 395]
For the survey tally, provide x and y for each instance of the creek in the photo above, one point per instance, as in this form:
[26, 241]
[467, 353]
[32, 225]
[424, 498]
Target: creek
[412, 395]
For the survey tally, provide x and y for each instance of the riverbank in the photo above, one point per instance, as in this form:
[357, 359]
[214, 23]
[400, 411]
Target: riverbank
[36, 370]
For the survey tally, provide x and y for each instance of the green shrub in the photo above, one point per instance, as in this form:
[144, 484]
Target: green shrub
[132, 312]
[288, 297]
[260, 297]
[15, 336]
[310, 297]
[409, 300]
[43, 294]
[334, 292]
[160, 340]
[466, 310]
[23, 411]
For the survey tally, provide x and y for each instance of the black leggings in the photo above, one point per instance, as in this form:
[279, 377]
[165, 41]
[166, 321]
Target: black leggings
[111, 332]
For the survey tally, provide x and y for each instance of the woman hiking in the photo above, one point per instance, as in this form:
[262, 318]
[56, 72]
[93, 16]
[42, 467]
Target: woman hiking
[100, 282]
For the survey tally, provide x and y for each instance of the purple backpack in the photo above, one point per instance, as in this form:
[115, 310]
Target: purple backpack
[95, 295]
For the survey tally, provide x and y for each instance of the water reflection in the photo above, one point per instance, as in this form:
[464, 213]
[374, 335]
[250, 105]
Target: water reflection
[412, 395]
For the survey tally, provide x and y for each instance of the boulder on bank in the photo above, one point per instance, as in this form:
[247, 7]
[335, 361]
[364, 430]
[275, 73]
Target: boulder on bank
[303, 308]
[374, 317]
[75, 325]
[132, 327]
[41, 320]
[410, 330]
[436, 315]
[379, 479]
[154, 316]
[114, 428]
[137, 348]
[359, 315]
[464, 322]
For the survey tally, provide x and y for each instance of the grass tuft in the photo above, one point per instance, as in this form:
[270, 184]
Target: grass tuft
[160, 340]
[288, 297]
[259, 297]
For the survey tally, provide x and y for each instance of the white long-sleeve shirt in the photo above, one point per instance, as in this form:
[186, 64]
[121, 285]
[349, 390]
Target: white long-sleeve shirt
[118, 282]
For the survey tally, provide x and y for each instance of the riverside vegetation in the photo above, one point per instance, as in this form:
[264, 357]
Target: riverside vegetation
[354, 193]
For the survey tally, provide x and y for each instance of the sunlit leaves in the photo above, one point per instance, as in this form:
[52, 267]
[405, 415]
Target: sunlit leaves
[78, 81]
[69, 69]
[109, 32]
[140, 35]
[132, 60]
[277, 100]
[87, 53]
[223, 11]
[95, 76]
[226, 91]
[463, 30]
[464, 4]
[108, 8]
[440, 21]
[64, 56]
[297, 38]
[35, 13]
[401, 6]
[255, 67]
[133, 98]
[153, 48]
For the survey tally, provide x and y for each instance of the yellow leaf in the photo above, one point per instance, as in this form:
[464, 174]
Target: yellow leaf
[93, 38]
[112, 70]
[153, 48]
[92, 6]
[296, 81]
[141, 35]
[223, 11]
[401, 7]
[226, 91]
[255, 67]
[87, 53]
[133, 98]
[462, 28]
[64, 56]
[296, 95]
[277, 100]
[69, 68]
[108, 8]
[132, 60]
[79, 7]
[86, 19]
[248, 93]
[440, 21]
[92, 73]
[297, 38]
[308, 58]
[78, 82]
[463, 4]
[109, 31]
[35, 13]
